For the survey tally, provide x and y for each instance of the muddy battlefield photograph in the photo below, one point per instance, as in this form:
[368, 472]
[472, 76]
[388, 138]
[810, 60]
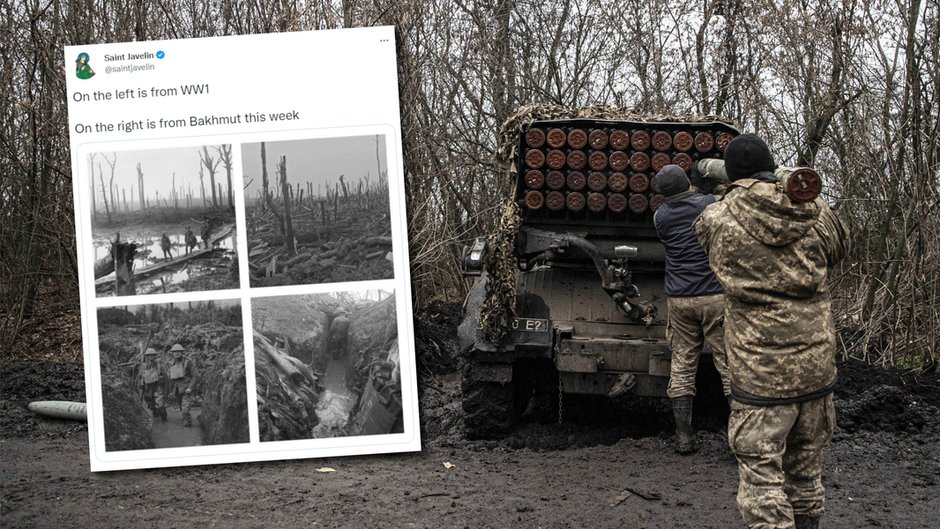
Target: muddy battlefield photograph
[173, 375]
[163, 220]
[317, 211]
[327, 365]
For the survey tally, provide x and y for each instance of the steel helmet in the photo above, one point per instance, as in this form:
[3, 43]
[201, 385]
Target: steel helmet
[177, 348]
[150, 352]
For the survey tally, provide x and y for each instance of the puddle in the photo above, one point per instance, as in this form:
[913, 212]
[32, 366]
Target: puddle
[150, 253]
[333, 412]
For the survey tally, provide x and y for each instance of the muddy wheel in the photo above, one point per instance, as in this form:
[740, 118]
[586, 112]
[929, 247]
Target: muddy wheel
[489, 408]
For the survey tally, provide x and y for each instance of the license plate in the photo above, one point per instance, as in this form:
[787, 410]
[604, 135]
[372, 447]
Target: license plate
[530, 325]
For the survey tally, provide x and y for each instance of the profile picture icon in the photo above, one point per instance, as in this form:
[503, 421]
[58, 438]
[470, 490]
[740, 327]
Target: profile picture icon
[82, 69]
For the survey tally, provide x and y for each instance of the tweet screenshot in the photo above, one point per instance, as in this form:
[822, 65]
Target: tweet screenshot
[242, 246]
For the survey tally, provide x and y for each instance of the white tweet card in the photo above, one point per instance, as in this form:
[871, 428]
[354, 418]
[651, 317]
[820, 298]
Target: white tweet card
[242, 246]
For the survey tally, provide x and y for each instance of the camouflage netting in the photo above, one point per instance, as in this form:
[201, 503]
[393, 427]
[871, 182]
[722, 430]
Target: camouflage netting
[499, 305]
[127, 421]
[224, 417]
[500, 302]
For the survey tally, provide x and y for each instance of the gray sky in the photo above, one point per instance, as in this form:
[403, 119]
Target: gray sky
[185, 306]
[317, 160]
[158, 167]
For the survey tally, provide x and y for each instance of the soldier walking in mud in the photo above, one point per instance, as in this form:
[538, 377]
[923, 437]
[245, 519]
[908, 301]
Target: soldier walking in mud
[695, 300]
[165, 246]
[771, 256]
[181, 379]
[191, 242]
[339, 334]
[152, 379]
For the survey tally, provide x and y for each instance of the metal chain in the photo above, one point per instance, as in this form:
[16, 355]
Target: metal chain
[561, 394]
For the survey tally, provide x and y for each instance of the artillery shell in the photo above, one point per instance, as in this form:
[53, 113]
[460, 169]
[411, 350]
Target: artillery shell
[597, 160]
[640, 161]
[619, 140]
[640, 140]
[555, 180]
[596, 202]
[639, 183]
[556, 159]
[534, 179]
[617, 202]
[597, 181]
[638, 203]
[535, 158]
[619, 160]
[617, 182]
[576, 160]
[577, 138]
[656, 201]
[555, 201]
[535, 138]
[723, 140]
[662, 141]
[576, 180]
[704, 142]
[575, 201]
[534, 200]
[660, 160]
[682, 141]
[556, 138]
[803, 185]
[598, 139]
[683, 160]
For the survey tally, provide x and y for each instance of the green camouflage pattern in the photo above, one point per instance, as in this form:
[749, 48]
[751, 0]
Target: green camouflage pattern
[693, 322]
[772, 257]
[779, 453]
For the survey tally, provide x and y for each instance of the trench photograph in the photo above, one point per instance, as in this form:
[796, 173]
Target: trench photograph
[173, 375]
[317, 211]
[163, 220]
[327, 365]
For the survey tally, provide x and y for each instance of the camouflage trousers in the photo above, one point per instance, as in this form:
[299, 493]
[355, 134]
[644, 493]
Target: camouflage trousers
[779, 452]
[693, 323]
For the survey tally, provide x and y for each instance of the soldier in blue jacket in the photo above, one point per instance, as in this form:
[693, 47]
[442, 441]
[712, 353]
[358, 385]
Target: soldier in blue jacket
[695, 298]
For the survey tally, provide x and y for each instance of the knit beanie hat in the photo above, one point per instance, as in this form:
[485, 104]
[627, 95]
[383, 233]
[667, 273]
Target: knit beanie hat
[671, 180]
[746, 155]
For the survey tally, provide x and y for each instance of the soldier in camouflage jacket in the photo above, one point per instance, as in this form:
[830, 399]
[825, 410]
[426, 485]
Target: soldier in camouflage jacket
[772, 257]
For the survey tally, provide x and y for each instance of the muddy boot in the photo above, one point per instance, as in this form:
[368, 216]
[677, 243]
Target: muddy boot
[187, 419]
[682, 411]
[163, 414]
[804, 521]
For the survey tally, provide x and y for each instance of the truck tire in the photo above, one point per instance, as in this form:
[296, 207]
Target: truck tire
[489, 407]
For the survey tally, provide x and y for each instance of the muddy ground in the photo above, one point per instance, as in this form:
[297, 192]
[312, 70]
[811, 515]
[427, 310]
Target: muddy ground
[603, 469]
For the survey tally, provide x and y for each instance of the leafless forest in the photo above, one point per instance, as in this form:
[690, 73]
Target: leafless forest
[851, 87]
[308, 227]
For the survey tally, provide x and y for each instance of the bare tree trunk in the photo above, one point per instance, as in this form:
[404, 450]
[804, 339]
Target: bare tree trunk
[140, 188]
[264, 178]
[124, 282]
[104, 194]
[288, 223]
